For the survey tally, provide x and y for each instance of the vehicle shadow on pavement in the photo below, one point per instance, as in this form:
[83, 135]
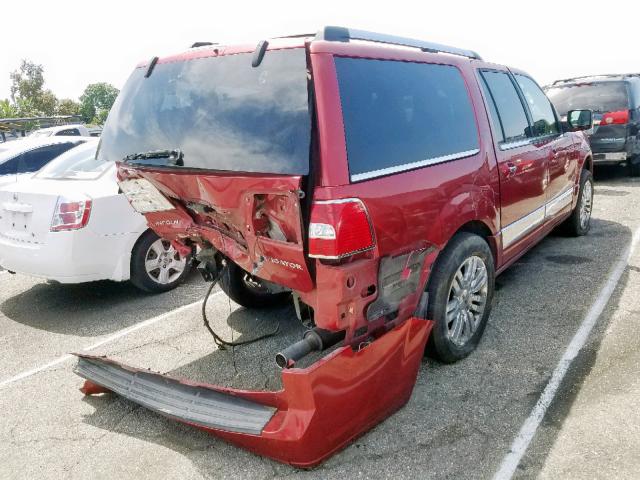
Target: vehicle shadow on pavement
[461, 418]
[96, 308]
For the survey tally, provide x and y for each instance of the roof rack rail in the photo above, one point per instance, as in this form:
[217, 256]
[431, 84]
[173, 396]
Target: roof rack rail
[202, 44]
[605, 75]
[342, 34]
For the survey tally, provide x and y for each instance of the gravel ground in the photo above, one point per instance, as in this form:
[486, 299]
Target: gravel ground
[459, 422]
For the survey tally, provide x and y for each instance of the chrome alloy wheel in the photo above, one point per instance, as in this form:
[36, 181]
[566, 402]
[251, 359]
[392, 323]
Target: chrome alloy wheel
[586, 202]
[163, 263]
[467, 300]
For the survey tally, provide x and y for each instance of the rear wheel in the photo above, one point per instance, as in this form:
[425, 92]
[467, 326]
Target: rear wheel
[460, 294]
[579, 222]
[247, 290]
[634, 168]
[156, 266]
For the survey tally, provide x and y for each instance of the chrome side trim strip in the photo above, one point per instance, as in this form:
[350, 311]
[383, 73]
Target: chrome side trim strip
[516, 230]
[410, 166]
[515, 144]
[556, 204]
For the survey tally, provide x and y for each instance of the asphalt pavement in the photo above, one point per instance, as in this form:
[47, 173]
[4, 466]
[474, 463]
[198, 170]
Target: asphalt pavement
[459, 423]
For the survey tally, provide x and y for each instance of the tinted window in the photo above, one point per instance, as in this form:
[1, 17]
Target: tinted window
[401, 115]
[544, 121]
[221, 112]
[9, 167]
[512, 115]
[68, 132]
[495, 118]
[35, 159]
[599, 97]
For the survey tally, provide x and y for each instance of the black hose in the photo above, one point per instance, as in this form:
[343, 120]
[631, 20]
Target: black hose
[219, 341]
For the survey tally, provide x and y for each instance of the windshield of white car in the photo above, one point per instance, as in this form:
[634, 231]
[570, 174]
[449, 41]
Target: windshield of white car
[79, 163]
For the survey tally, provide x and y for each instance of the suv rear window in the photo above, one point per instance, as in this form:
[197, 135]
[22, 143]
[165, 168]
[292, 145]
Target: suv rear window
[599, 97]
[221, 112]
[402, 115]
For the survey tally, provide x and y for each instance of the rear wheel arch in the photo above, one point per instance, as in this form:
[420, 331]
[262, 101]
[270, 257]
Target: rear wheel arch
[473, 227]
[482, 230]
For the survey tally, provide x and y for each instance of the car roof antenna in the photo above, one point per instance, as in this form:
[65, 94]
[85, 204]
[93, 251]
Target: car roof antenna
[150, 67]
[258, 54]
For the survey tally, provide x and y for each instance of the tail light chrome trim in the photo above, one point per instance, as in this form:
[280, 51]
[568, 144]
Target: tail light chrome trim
[325, 231]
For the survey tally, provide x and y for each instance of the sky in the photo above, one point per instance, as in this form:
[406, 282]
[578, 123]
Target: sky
[83, 42]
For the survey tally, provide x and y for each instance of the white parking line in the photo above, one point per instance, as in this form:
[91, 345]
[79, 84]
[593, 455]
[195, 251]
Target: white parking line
[111, 338]
[527, 432]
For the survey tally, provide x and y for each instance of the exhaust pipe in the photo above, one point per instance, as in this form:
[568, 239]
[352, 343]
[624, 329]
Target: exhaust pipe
[315, 340]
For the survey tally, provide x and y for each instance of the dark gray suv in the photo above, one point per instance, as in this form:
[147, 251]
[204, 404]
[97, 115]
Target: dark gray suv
[615, 102]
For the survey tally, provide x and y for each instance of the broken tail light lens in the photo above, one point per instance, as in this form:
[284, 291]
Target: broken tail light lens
[339, 228]
[71, 214]
[615, 118]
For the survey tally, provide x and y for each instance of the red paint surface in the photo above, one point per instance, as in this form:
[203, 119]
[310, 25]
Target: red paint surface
[323, 407]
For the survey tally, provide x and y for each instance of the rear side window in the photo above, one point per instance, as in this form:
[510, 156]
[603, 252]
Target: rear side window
[9, 167]
[544, 120]
[513, 118]
[69, 132]
[34, 160]
[401, 115]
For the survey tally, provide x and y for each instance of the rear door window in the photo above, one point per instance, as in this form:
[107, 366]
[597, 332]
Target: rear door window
[35, 159]
[513, 118]
[544, 120]
[403, 115]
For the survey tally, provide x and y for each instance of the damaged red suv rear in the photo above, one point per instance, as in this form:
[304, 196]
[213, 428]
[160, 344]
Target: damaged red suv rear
[380, 183]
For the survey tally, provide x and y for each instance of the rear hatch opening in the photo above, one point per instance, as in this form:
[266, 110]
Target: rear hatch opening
[228, 144]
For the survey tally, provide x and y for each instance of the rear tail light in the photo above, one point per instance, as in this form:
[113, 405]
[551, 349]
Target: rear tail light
[615, 118]
[71, 214]
[339, 228]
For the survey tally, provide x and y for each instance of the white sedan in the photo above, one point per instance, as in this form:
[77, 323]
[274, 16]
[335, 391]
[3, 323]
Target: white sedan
[69, 224]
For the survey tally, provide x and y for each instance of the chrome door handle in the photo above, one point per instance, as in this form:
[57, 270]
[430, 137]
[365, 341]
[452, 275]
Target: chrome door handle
[512, 169]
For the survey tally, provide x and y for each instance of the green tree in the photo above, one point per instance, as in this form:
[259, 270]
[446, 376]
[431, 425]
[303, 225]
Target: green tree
[8, 109]
[96, 101]
[27, 90]
[27, 81]
[66, 106]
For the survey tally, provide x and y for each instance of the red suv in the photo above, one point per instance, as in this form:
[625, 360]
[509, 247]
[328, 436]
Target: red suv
[378, 181]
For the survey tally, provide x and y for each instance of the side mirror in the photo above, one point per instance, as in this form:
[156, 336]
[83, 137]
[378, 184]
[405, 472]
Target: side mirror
[580, 120]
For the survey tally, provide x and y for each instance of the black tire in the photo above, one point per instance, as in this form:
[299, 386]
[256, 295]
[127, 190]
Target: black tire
[233, 281]
[634, 168]
[153, 282]
[574, 225]
[462, 247]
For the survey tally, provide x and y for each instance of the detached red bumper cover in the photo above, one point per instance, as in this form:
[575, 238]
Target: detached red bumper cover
[319, 410]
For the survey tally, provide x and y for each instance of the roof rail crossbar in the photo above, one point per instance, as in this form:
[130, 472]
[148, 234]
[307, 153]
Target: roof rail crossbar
[604, 75]
[342, 34]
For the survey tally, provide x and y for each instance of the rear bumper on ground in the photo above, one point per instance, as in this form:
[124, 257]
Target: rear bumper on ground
[319, 410]
[70, 257]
